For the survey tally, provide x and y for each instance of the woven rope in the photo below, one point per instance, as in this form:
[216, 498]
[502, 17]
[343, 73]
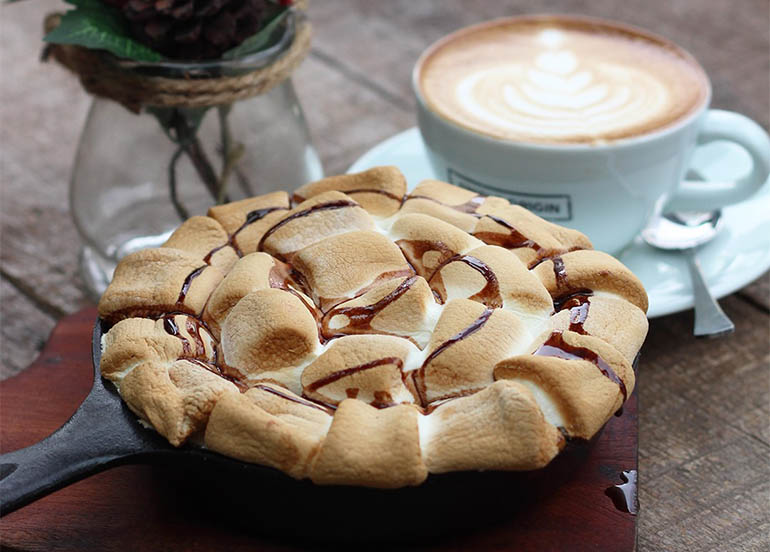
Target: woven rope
[102, 78]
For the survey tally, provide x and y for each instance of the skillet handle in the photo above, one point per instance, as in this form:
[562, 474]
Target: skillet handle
[102, 433]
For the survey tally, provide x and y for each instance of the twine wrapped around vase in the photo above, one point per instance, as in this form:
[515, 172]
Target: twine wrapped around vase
[101, 77]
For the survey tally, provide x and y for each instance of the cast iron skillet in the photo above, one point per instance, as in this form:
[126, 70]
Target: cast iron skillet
[104, 433]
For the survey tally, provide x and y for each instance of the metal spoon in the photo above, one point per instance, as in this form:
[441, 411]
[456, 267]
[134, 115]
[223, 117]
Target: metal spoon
[685, 232]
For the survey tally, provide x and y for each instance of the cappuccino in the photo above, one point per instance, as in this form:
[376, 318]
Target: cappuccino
[560, 80]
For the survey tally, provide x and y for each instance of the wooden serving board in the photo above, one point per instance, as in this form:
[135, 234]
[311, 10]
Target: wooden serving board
[138, 507]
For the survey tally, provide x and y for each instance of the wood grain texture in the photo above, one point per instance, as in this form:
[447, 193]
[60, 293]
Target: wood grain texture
[705, 404]
[145, 508]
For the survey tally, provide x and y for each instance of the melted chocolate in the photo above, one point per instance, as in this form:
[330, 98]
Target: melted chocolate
[169, 324]
[559, 271]
[624, 496]
[251, 217]
[513, 240]
[415, 250]
[187, 282]
[489, 295]
[291, 398]
[382, 399]
[360, 317]
[578, 305]
[570, 300]
[334, 376]
[418, 376]
[194, 329]
[556, 346]
[332, 205]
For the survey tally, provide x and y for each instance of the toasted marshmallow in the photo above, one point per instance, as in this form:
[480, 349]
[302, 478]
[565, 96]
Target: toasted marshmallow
[495, 277]
[378, 190]
[446, 202]
[205, 238]
[264, 428]
[610, 318]
[586, 378]
[323, 216]
[527, 235]
[156, 281]
[365, 367]
[465, 346]
[251, 273]
[504, 424]
[427, 242]
[268, 330]
[346, 265]
[380, 446]
[590, 270]
[133, 341]
[403, 307]
[247, 220]
[175, 397]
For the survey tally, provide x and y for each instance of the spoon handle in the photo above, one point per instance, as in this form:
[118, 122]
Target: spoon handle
[710, 320]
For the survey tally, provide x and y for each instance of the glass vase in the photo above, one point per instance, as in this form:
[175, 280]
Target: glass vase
[136, 177]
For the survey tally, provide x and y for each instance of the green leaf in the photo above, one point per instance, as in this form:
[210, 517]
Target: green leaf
[261, 39]
[99, 28]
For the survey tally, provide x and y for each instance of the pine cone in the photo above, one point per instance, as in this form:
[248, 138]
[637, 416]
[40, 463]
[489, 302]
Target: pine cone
[192, 29]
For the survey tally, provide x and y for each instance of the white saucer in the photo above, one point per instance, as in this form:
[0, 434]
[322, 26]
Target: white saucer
[738, 256]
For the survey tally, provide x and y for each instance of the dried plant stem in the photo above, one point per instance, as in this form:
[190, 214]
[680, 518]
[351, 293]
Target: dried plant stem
[180, 209]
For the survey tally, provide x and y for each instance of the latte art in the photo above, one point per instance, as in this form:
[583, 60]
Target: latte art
[551, 83]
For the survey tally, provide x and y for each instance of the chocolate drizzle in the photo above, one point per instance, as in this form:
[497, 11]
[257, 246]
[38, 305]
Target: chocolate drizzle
[382, 399]
[187, 282]
[578, 305]
[332, 205]
[559, 271]
[489, 295]
[251, 217]
[360, 317]
[418, 376]
[169, 324]
[415, 250]
[556, 346]
[513, 240]
[338, 375]
[624, 496]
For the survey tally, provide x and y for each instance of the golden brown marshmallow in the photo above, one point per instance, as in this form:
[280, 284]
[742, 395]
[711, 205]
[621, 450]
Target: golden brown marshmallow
[403, 307]
[323, 216]
[268, 330]
[263, 428]
[367, 444]
[503, 422]
[366, 367]
[154, 281]
[247, 220]
[467, 342]
[176, 398]
[379, 190]
[427, 242]
[343, 266]
[590, 270]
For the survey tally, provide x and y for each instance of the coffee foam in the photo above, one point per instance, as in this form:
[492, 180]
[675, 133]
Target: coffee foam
[557, 80]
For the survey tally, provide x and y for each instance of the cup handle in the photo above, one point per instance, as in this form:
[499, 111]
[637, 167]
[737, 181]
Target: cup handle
[707, 196]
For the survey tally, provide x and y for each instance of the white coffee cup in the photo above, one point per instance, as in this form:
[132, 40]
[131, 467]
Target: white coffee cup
[607, 190]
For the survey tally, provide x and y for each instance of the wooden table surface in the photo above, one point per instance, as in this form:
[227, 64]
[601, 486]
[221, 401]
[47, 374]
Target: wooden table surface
[704, 404]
